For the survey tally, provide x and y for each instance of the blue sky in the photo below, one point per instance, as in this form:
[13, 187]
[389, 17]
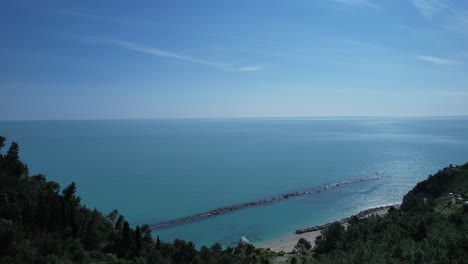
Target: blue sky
[153, 59]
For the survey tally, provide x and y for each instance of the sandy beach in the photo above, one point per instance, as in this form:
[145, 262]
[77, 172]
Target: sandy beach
[286, 244]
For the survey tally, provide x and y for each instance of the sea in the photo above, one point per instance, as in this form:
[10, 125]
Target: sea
[160, 169]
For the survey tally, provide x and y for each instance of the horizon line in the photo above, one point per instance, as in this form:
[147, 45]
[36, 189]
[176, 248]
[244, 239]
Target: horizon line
[239, 117]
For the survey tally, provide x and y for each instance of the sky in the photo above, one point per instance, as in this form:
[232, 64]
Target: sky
[245, 58]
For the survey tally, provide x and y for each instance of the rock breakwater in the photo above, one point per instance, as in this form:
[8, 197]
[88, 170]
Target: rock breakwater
[266, 201]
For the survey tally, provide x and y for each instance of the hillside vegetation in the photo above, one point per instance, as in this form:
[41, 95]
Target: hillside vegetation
[431, 226]
[41, 223]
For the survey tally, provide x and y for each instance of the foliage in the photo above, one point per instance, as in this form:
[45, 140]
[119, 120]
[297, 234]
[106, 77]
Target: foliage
[421, 231]
[304, 243]
[40, 224]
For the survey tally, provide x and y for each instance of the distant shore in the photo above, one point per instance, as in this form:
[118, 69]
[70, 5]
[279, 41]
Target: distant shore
[286, 244]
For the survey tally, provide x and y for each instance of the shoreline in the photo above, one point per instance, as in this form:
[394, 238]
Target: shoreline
[287, 242]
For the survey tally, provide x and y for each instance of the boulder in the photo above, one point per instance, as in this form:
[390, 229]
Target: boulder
[243, 242]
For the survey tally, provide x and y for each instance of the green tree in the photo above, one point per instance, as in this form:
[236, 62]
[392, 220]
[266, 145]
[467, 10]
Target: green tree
[330, 236]
[126, 238]
[304, 243]
[138, 241]
[119, 223]
[205, 254]
[13, 151]
[112, 216]
[158, 241]
[216, 249]
[2, 143]
[146, 234]
[69, 191]
[90, 240]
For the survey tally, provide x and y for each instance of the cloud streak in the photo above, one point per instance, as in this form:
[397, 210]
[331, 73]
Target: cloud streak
[430, 8]
[437, 60]
[249, 68]
[460, 21]
[455, 17]
[168, 54]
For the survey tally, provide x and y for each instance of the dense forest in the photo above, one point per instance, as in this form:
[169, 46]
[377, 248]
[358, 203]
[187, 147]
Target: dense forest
[41, 223]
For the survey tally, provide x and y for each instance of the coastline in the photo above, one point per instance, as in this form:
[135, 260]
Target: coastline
[286, 243]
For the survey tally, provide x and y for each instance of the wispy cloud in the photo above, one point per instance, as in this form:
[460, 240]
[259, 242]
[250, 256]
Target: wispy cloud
[454, 16]
[249, 68]
[168, 54]
[357, 3]
[459, 22]
[430, 8]
[437, 60]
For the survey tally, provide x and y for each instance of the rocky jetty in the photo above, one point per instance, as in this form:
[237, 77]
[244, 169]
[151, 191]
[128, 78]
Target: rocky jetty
[343, 220]
[236, 207]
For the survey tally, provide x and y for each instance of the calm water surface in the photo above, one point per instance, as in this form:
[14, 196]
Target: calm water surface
[156, 170]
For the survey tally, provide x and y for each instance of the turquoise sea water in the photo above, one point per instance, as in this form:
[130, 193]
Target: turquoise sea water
[156, 170]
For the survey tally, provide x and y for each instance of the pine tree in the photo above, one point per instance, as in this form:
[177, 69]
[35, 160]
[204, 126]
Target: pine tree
[90, 240]
[138, 240]
[126, 239]
[2, 142]
[73, 224]
[69, 191]
[119, 223]
[13, 151]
